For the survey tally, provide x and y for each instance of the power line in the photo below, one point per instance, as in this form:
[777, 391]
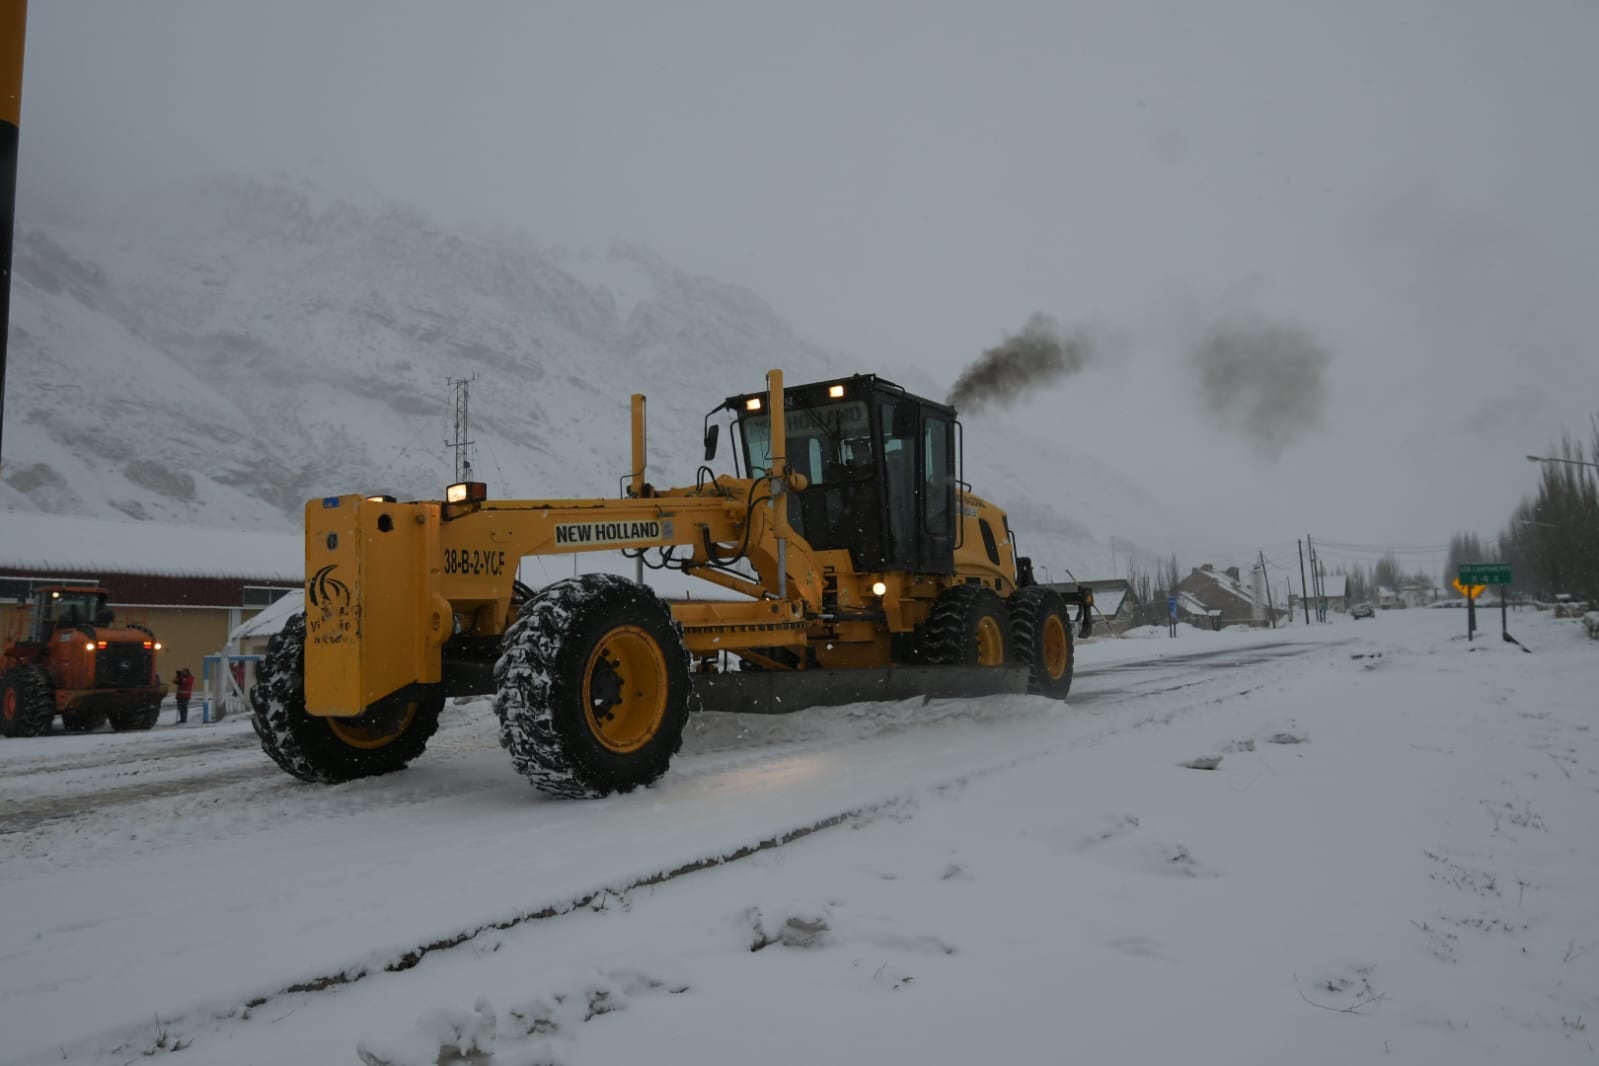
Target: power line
[1352, 546]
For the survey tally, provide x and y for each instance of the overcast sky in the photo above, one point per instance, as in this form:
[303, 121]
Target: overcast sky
[1373, 223]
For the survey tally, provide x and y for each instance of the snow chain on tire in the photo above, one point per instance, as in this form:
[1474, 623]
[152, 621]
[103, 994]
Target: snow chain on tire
[555, 655]
[306, 746]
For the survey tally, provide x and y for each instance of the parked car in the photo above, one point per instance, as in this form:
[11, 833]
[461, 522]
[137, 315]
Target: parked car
[1362, 610]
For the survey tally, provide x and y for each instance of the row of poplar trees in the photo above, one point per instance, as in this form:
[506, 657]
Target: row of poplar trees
[1551, 540]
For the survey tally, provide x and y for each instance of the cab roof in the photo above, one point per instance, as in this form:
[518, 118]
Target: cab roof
[815, 392]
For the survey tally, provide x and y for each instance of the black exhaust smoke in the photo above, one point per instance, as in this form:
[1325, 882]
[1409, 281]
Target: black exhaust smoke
[1264, 380]
[1040, 354]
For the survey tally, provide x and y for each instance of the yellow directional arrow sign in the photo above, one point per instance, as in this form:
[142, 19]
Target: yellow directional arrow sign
[1469, 591]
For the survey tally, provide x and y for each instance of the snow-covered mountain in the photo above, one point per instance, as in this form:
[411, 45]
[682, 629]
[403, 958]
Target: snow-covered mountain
[224, 352]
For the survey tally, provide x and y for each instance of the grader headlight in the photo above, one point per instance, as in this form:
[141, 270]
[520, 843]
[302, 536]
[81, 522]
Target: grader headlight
[878, 588]
[752, 404]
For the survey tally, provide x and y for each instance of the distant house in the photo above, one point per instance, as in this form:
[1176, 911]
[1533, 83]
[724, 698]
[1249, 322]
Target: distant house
[190, 585]
[1224, 597]
[1115, 604]
[1420, 595]
[1195, 613]
[1336, 588]
[251, 637]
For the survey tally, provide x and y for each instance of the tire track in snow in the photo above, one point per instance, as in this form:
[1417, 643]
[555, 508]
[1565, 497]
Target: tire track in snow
[18, 816]
[129, 754]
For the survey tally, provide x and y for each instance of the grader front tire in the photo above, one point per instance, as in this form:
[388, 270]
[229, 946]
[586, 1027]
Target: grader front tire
[592, 687]
[330, 750]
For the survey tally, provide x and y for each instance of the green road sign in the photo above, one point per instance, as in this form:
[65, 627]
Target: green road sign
[1485, 573]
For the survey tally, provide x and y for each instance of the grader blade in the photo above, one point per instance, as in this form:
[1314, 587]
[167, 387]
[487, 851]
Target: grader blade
[779, 692]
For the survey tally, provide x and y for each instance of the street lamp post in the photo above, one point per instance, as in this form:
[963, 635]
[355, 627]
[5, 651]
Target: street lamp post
[1569, 462]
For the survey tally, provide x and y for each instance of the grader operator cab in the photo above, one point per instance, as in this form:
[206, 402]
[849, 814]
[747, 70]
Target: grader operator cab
[861, 567]
[67, 655]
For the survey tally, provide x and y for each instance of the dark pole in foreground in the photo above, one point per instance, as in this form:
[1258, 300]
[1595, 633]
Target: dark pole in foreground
[1304, 589]
[13, 26]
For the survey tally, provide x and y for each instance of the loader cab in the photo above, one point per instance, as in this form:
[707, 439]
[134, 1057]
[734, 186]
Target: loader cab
[882, 468]
[66, 607]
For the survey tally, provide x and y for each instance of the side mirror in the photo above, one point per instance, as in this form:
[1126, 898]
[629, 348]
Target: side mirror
[712, 431]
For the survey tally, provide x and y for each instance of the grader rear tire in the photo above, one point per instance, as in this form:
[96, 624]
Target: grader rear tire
[592, 687]
[1041, 630]
[330, 750]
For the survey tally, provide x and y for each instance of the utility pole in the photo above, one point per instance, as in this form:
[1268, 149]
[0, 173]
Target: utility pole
[1304, 590]
[1321, 591]
[461, 445]
[1310, 548]
[1271, 608]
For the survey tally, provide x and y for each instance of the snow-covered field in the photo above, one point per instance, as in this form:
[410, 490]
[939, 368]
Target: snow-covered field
[1394, 858]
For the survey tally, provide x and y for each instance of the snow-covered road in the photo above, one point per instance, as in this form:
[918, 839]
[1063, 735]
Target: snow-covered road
[179, 876]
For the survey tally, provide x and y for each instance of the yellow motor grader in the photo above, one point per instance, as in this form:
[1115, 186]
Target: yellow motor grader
[853, 562]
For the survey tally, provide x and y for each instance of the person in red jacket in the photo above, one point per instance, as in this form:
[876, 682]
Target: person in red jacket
[183, 685]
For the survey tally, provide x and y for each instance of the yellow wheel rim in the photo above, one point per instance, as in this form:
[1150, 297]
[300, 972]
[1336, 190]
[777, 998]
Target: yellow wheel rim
[1057, 648]
[990, 642]
[624, 689]
[356, 733]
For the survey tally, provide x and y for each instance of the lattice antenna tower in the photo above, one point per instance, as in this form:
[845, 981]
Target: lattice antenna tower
[461, 445]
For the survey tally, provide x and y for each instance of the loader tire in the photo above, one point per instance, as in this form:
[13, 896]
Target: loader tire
[83, 721]
[1041, 631]
[135, 719]
[592, 687]
[966, 628]
[27, 702]
[330, 750]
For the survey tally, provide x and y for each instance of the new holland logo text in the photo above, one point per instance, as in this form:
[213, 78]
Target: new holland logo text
[606, 532]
